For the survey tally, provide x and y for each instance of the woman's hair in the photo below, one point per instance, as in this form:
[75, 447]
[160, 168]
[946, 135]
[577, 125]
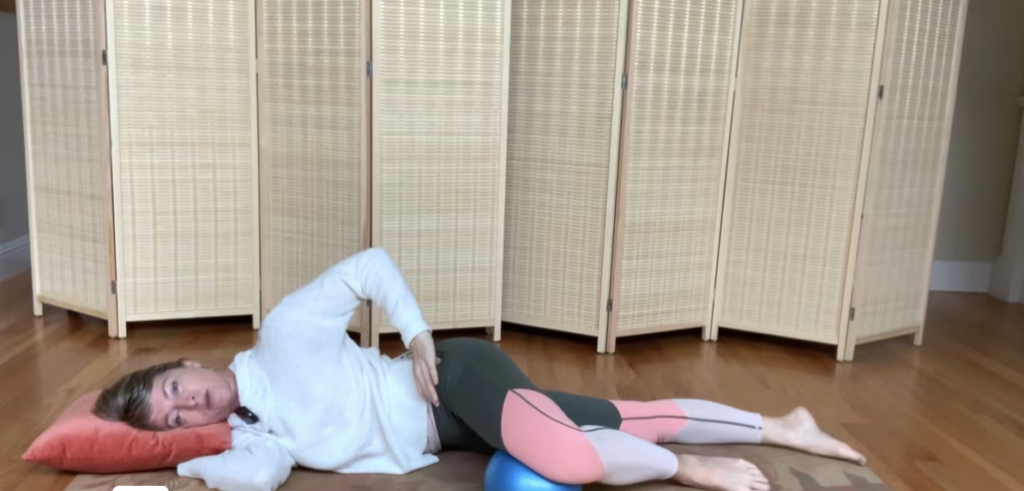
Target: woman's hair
[128, 399]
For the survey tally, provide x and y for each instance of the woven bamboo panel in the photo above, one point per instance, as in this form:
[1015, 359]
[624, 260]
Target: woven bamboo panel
[907, 166]
[312, 148]
[186, 162]
[64, 117]
[561, 102]
[680, 74]
[437, 174]
[802, 99]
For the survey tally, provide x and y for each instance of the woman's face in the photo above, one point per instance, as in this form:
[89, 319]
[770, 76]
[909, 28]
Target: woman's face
[192, 396]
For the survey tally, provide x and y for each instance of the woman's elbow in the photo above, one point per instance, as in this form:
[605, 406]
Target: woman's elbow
[376, 254]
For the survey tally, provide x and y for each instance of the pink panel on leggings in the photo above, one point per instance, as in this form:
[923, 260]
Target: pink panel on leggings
[559, 452]
[655, 430]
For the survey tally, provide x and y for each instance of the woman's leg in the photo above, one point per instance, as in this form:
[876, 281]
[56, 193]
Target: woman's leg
[689, 421]
[693, 421]
[564, 437]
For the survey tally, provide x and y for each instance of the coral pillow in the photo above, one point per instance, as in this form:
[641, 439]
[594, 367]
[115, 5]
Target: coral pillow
[80, 441]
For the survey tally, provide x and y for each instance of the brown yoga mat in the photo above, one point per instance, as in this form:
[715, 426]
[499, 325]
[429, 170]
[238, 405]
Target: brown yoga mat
[787, 470]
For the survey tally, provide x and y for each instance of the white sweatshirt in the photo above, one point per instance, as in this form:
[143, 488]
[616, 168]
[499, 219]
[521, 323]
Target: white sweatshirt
[322, 401]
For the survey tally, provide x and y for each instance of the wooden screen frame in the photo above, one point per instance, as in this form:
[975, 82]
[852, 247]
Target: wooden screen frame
[115, 161]
[373, 225]
[849, 339]
[710, 330]
[254, 122]
[37, 306]
[499, 242]
[610, 275]
[115, 328]
[877, 73]
[365, 315]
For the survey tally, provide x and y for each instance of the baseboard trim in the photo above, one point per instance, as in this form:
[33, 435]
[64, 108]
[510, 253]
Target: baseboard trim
[957, 276]
[1007, 282]
[15, 257]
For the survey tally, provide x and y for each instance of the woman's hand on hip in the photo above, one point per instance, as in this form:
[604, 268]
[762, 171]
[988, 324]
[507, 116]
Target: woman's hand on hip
[424, 365]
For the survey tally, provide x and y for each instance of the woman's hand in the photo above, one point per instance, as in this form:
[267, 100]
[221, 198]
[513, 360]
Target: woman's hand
[424, 365]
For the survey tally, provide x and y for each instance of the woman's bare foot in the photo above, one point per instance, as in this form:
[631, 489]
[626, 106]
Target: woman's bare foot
[720, 474]
[799, 431]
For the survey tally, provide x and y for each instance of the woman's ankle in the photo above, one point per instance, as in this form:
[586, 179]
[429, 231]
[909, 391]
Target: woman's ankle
[773, 431]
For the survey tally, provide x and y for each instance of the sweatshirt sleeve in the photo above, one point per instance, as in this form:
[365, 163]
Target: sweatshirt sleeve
[368, 275]
[254, 463]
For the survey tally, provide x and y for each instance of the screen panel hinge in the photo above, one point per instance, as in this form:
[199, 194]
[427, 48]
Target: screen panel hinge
[881, 92]
[103, 57]
[369, 69]
[113, 287]
[608, 307]
[625, 81]
[853, 313]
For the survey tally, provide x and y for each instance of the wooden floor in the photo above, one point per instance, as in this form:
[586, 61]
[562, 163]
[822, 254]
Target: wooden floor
[946, 416]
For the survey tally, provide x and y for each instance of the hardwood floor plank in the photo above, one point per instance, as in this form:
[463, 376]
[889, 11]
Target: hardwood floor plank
[948, 416]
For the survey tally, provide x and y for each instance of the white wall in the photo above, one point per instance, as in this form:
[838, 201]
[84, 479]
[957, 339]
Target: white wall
[12, 139]
[1007, 280]
[13, 201]
[983, 147]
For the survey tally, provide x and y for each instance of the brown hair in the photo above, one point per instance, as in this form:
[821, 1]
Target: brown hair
[128, 399]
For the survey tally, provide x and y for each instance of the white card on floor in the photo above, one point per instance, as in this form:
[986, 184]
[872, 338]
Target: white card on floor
[140, 488]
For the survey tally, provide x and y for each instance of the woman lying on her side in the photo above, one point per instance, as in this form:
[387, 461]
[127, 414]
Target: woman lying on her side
[307, 395]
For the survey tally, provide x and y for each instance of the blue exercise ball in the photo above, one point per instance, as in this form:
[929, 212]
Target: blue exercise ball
[505, 473]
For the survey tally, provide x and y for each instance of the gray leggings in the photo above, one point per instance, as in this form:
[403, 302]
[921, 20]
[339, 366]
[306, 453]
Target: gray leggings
[488, 404]
[475, 376]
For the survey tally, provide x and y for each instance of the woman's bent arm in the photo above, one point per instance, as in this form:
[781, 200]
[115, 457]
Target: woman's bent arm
[337, 293]
[254, 463]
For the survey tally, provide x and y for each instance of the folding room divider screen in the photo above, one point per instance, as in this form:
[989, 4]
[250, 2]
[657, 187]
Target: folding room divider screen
[772, 166]
[572, 184]
[802, 100]
[140, 125]
[907, 170]
[836, 167]
[779, 115]
[166, 217]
